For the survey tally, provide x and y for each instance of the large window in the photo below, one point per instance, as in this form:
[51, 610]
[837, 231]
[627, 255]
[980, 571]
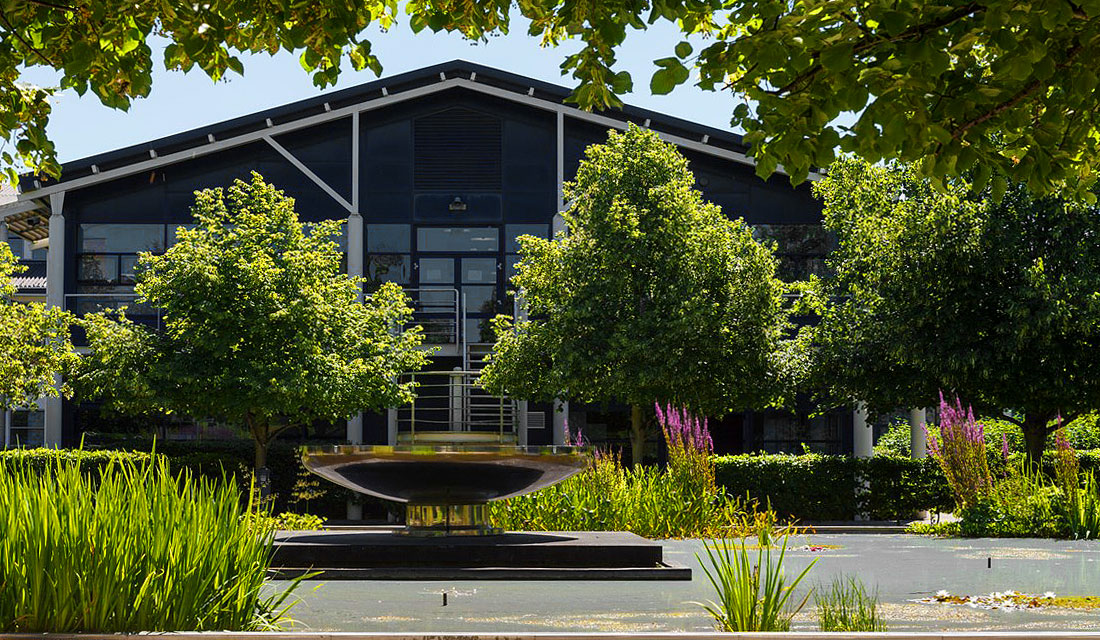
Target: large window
[801, 248]
[24, 428]
[388, 254]
[512, 232]
[457, 239]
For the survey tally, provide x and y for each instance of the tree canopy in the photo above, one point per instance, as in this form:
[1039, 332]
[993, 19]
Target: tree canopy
[651, 295]
[997, 302]
[1003, 88]
[34, 342]
[258, 325]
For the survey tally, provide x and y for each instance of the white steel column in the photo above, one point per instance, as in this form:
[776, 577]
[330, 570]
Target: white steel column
[561, 159]
[520, 313]
[391, 427]
[4, 232]
[918, 439]
[862, 433]
[561, 418]
[55, 297]
[355, 269]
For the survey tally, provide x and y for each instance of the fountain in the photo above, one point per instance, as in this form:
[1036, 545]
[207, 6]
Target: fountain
[446, 479]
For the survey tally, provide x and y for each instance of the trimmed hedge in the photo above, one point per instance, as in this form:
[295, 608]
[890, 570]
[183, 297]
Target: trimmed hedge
[88, 461]
[235, 458]
[821, 487]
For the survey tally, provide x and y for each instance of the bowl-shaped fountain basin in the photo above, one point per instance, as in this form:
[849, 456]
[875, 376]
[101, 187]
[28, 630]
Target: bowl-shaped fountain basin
[445, 474]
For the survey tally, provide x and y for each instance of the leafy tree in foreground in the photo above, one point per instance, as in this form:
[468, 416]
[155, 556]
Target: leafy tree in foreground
[651, 295]
[996, 302]
[1005, 87]
[34, 342]
[259, 326]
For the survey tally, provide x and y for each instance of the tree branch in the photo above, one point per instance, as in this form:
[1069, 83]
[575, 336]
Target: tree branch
[917, 31]
[1018, 97]
[11, 30]
[51, 5]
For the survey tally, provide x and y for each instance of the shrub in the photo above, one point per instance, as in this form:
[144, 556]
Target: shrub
[822, 487]
[846, 605]
[132, 549]
[752, 596]
[961, 453]
[1082, 433]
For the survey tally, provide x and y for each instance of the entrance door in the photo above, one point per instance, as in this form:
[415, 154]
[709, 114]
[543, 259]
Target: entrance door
[476, 278]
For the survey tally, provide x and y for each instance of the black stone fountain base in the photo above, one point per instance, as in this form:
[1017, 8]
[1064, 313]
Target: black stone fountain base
[382, 554]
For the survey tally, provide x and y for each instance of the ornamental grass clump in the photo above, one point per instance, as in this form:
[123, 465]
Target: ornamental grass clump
[682, 500]
[961, 453]
[752, 596]
[846, 605]
[130, 548]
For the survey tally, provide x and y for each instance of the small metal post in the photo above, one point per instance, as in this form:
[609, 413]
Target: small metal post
[412, 412]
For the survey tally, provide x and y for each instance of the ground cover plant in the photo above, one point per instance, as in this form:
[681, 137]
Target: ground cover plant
[846, 605]
[752, 595]
[129, 547]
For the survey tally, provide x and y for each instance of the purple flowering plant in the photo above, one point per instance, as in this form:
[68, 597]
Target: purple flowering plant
[961, 452]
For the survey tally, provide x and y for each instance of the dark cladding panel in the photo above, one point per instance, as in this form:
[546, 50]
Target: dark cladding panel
[776, 202]
[387, 160]
[326, 150]
[132, 199]
[529, 155]
[529, 206]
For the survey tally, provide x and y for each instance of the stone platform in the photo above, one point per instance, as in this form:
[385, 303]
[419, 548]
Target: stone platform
[383, 554]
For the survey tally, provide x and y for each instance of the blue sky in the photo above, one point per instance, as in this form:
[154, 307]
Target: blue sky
[81, 126]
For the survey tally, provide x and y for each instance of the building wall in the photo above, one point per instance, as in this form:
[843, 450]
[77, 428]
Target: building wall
[445, 185]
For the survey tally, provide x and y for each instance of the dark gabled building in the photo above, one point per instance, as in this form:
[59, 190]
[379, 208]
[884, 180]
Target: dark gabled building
[436, 171]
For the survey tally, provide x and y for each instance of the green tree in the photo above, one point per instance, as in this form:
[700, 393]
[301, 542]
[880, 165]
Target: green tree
[997, 302]
[1004, 87]
[34, 342]
[651, 295]
[259, 327]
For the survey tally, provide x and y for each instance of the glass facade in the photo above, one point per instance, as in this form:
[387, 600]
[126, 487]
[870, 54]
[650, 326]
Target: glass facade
[801, 248]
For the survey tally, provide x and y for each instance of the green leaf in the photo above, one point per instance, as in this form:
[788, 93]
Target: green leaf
[683, 49]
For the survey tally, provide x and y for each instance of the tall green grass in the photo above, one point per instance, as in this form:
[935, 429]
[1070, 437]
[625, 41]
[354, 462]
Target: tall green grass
[129, 548]
[846, 605]
[752, 596]
[680, 501]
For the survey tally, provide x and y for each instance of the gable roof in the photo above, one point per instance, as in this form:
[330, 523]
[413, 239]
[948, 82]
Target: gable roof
[419, 82]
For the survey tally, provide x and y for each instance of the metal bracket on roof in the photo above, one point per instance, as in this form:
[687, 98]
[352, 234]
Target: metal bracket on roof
[269, 122]
[530, 91]
[385, 91]
[95, 169]
[290, 157]
[442, 76]
[152, 153]
[473, 76]
[706, 138]
[646, 123]
[210, 137]
[328, 107]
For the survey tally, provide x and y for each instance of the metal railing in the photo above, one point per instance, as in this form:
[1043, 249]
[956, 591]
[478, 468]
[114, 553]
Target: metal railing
[454, 401]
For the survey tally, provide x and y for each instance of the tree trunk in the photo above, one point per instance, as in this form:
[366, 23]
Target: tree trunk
[637, 435]
[263, 474]
[1035, 437]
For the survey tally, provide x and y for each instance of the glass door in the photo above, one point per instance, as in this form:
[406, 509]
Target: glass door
[477, 281]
